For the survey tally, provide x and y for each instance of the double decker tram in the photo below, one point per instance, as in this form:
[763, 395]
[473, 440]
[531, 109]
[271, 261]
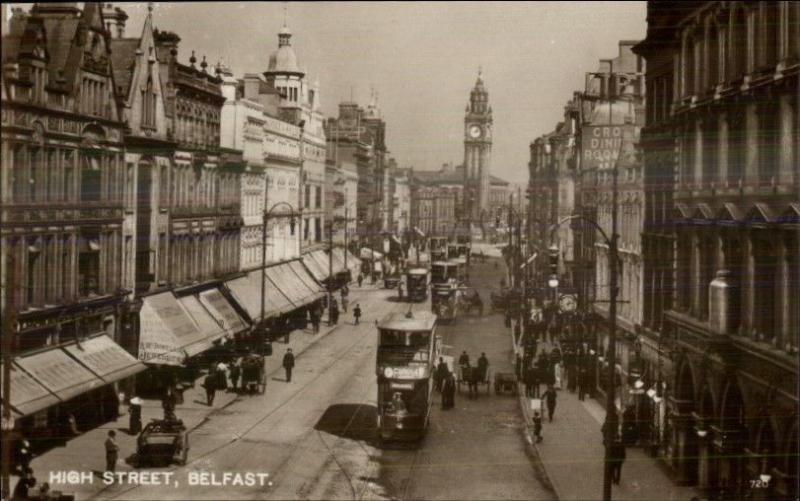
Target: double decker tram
[407, 353]
[443, 272]
[417, 284]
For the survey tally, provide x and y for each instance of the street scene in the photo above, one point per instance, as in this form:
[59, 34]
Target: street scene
[400, 251]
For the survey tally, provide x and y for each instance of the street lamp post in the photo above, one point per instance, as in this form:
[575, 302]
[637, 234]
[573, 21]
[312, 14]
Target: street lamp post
[264, 251]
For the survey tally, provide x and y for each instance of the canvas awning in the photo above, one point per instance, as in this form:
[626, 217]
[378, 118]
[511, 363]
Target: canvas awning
[370, 254]
[318, 272]
[105, 358]
[222, 311]
[27, 395]
[247, 292]
[321, 258]
[338, 260]
[313, 287]
[283, 297]
[210, 327]
[168, 335]
[290, 284]
[64, 376]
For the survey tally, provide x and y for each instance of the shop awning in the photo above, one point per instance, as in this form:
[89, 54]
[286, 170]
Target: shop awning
[105, 358]
[58, 372]
[222, 311]
[27, 395]
[353, 263]
[207, 324]
[247, 292]
[288, 283]
[168, 334]
[313, 287]
[314, 268]
[279, 296]
[321, 258]
[338, 261]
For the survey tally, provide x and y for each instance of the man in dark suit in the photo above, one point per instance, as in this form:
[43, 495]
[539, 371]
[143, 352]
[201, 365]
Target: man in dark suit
[288, 364]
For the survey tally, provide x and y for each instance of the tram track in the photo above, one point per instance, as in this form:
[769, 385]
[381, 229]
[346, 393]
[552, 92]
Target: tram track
[240, 437]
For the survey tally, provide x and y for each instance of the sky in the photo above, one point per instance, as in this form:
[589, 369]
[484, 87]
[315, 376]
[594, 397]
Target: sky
[422, 58]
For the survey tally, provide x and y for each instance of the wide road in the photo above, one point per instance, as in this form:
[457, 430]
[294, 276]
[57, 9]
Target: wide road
[315, 435]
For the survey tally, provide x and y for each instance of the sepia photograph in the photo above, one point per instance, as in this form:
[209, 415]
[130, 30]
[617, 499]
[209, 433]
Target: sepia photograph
[409, 250]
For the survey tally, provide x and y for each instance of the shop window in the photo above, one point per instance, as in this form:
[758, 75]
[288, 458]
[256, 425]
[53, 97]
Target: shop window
[90, 179]
[89, 265]
[34, 264]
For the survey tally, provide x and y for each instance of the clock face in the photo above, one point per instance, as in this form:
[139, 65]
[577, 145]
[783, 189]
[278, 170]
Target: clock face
[475, 131]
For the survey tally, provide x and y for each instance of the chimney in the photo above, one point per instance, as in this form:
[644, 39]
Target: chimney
[166, 45]
[114, 19]
[18, 19]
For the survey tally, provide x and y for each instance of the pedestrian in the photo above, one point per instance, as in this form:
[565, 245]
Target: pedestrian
[236, 373]
[360, 279]
[25, 483]
[449, 391]
[557, 375]
[483, 366]
[345, 303]
[357, 314]
[222, 376]
[135, 410]
[210, 385]
[582, 375]
[617, 458]
[112, 451]
[168, 403]
[531, 382]
[441, 373]
[550, 399]
[333, 314]
[288, 364]
[463, 360]
[400, 290]
[537, 426]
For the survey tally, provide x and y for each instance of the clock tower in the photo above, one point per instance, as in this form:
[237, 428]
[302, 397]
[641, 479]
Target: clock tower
[477, 152]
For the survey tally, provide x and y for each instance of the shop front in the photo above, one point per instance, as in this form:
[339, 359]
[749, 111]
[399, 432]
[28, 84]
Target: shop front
[60, 391]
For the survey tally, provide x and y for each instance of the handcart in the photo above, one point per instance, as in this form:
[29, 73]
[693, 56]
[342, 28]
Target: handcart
[161, 442]
[505, 382]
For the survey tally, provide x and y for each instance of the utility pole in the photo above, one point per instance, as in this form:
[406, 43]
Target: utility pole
[9, 336]
[330, 270]
[611, 410]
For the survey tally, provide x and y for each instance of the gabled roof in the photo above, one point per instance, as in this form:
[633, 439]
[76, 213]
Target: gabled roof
[760, 212]
[123, 63]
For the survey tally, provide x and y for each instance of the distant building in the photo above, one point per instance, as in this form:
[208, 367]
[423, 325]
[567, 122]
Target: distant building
[300, 105]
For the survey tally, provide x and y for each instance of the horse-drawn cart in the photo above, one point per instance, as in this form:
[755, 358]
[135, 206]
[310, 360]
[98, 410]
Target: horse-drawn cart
[465, 375]
[505, 382]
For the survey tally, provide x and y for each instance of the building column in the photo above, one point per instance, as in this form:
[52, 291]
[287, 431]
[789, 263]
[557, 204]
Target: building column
[782, 304]
[752, 146]
[748, 284]
[699, 181]
[788, 150]
[694, 278]
[722, 150]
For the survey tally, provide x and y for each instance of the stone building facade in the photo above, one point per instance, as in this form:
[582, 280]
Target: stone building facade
[722, 133]
[66, 197]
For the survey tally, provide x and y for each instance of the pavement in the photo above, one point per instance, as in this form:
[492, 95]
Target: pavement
[572, 455]
[86, 453]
